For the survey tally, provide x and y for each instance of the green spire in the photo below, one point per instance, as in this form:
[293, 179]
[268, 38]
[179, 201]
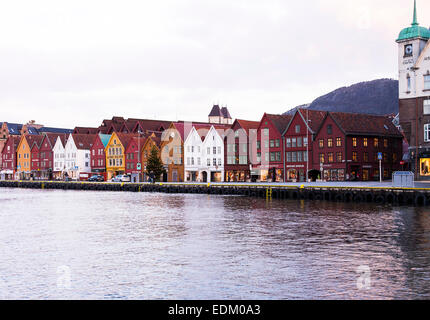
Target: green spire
[415, 22]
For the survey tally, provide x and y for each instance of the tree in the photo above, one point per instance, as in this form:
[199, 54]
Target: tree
[155, 167]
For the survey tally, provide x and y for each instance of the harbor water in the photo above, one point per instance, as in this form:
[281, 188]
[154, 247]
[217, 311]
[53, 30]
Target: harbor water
[58, 244]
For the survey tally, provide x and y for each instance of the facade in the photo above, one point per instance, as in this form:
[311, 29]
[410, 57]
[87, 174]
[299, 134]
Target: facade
[298, 144]
[204, 153]
[133, 157]
[59, 155]
[78, 156]
[98, 155]
[414, 95]
[23, 153]
[115, 153]
[9, 158]
[269, 165]
[347, 145]
[35, 161]
[172, 154]
[240, 150]
[154, 140]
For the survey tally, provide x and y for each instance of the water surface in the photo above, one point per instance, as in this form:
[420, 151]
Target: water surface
[115, 245]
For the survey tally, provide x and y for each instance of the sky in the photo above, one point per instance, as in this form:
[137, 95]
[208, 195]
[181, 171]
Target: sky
[75, 63]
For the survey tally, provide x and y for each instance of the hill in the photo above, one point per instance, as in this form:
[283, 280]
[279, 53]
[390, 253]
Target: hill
[377, 97]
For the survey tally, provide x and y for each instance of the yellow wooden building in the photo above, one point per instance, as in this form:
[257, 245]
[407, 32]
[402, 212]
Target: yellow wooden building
[115, 153]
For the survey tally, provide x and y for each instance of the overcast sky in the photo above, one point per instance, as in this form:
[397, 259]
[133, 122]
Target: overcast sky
[75, 63]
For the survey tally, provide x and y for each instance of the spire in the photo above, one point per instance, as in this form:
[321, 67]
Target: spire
[415, 22]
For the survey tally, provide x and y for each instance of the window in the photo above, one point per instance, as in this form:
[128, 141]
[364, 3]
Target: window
[242, 159]
[330, 143]
[266, 156]
[321, 143]
[214, 162]
[365, 157]
[294, 156]
[329, 129]
[258, 157]
[339, 156]
[272, 143]
[338, 142]
[209, 150]
[266, 143]
[277, 143]
[376, 142]
[192, 161]
[288, 156]
[288, 142]
[330, 157]
[385, 157]
[214, 150]
[426, 108]
[305, 156]
[305, 141]
[244, 148]
[219, 161]
[408, 79]
[354, 142]
[394, 157]
[272, 156]
[294, 142]
[385, 143]
[219, 150]
[427, 82]
[354, 156]
[299, 156]
[266, 132]
[299, 142]
[321, 157]
[365, 142]
[298, 128]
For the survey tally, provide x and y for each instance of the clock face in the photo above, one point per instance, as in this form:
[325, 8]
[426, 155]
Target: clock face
[408, 50]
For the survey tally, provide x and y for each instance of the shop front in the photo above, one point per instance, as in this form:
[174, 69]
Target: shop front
[295, 173]
[6, 175]
[237, 176]
[334, 174]
[268, 174]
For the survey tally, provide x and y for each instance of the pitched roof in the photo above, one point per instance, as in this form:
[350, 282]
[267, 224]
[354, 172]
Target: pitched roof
[14, 128]
[54, 130]
[105, 138]
[248, 125]
[139, 141]
[83, 141]
[125, 138]
[355, 123]
[315, 118]
[150, 125]
[216, 111]
[14, 140]
[225, 113]
[34, 140]
[85, 130]
[52, 138]
[156, 138]
[279, 121]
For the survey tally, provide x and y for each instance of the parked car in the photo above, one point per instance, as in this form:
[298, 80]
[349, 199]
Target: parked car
[96, 178]
[121, 178]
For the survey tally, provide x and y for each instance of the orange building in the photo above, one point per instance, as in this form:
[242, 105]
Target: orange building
[24, 155]
[153, 140]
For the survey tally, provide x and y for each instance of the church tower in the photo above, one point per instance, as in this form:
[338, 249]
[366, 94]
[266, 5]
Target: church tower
[414, 94]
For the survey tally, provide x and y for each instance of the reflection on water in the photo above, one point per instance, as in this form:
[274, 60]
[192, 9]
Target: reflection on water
[163, 246]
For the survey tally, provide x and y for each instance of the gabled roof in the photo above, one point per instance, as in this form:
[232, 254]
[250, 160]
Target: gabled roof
[52, 138]
[138, 141]
[83, 141]
[279, 121]
[14, 141]
[364, 124]
[34, 141]
[247, 125]
[155, 137]
[312, 118]
[125, 138]
[105, 138]
[85, 130]
[149, 125]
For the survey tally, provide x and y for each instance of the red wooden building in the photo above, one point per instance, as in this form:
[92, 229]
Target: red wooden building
[133, 157]
[9, 158]
[298, 141]
[36, 142]
[46, 154]
[347, 145]
[270, 155]
[98, 154]
[240, 152]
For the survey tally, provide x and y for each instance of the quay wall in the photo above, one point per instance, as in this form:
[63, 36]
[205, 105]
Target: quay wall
[377, 195]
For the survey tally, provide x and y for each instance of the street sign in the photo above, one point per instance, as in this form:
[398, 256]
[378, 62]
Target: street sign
[379, 155]
[139, 166]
